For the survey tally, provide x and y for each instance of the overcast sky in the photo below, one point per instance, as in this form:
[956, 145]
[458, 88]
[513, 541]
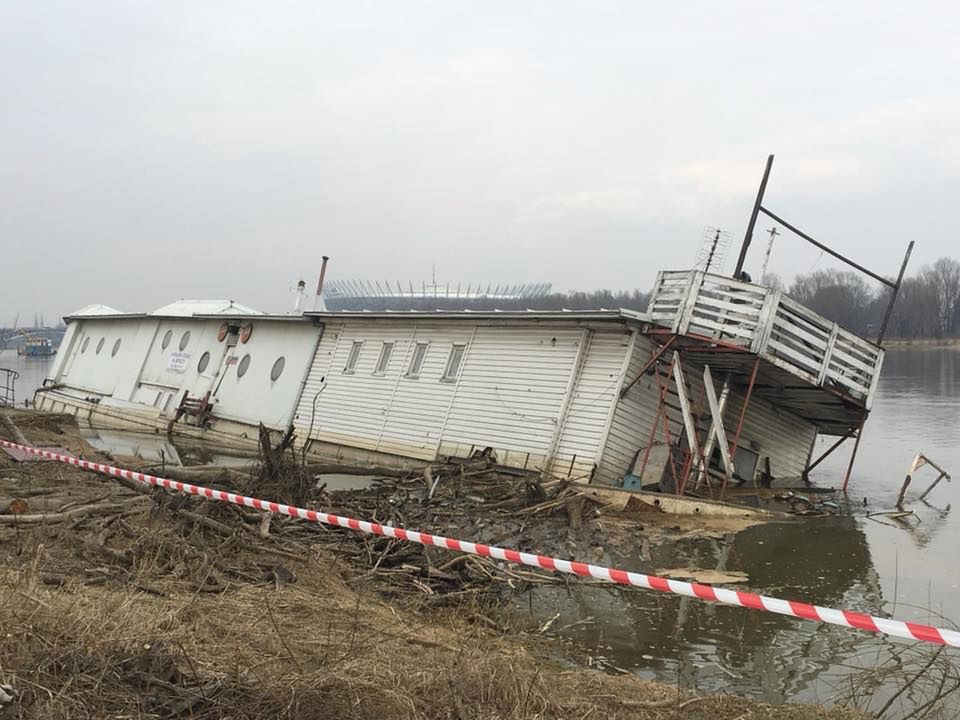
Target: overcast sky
[152, 151]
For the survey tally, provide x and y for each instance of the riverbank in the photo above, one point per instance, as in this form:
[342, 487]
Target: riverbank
[920, 342]
[153, 605]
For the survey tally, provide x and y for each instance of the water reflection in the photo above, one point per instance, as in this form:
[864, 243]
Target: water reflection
[871, 564]
[713, 647]
[158, 448]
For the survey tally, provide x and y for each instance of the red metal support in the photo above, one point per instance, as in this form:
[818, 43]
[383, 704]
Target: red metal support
[650, 363]
[743, 415]
[853, 455]
[656, 420]
[743, 410]
[833, 447]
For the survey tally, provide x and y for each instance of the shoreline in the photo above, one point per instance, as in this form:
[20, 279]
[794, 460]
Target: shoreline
[146, 603]
[895, 343]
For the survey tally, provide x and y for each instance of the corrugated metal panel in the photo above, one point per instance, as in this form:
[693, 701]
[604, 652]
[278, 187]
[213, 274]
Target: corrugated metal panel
[511, 389]
[632, 419]
[767, 430]
[420, 405]
[508, 396]
[771, 431]
[390, 413]
[596, 390]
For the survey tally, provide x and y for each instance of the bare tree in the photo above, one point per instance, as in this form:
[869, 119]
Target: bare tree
[944, 278]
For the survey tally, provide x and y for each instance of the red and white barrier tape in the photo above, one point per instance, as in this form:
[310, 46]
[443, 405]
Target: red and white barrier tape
[844, 618]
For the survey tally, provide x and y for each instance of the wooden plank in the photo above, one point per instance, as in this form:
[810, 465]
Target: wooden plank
[688, 422]
[747, 311]
[765, 321]
[860, 388]
[825, 366]
[718, 428]
[712, 433]
[738, 329]
[794, 361]
[841, 358]
[784, 324]
[730, 283]
[683, 319]
[620, 500]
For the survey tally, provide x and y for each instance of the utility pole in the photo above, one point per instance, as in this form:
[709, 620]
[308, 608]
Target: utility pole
[766, 258]
[753, 219]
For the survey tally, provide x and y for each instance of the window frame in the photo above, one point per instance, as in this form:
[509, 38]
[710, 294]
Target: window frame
[383, 360]
[353, 357]
[414, 374]
[447, 376]
[275, 374]
[243, 366]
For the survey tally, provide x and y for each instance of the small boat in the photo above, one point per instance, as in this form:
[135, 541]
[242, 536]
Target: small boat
[37, 347]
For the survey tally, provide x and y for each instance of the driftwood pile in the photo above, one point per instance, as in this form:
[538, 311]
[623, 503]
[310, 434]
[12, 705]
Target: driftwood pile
[145, 537]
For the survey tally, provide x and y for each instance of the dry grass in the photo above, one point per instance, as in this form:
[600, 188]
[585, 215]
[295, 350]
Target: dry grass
[152, 615]
[315, 648]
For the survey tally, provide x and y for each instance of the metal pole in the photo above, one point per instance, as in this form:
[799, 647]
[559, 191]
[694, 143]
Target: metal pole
[823, 457]
[743, 415]
[893, 295]
[753, 219]
[848, 261]
[766, 258]
[743, 411]
[853, 455]
[650, 363]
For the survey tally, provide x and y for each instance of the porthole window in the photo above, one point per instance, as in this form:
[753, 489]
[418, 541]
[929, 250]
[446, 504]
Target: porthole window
[100, 345]
[116, 347]
[166, 339]
[184, 340]
[277, 368]
[204, 361]
[244, 364]
[83, 348]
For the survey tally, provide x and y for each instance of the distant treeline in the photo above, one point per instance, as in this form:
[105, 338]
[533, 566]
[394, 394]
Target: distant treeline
[928, 305]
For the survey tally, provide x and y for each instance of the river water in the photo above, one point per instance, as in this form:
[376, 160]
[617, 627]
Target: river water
[906, 570]
[32, 371]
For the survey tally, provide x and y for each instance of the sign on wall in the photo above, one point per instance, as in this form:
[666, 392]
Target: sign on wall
[177, 362]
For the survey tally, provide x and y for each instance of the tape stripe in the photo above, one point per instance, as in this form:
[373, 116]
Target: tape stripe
[790, 608]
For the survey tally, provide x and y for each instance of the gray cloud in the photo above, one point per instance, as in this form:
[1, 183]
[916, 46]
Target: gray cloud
[218, 150]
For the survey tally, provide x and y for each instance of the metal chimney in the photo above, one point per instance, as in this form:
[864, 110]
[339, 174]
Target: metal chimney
[323, 271]
[301, 291]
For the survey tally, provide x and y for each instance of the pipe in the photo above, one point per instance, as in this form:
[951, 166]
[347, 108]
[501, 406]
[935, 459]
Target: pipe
[323, 272]
[301, 291]
[753, 219]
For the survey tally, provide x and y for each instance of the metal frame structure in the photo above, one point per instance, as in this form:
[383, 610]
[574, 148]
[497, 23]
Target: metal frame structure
[894, 286]
[8, 386]
[748, 237]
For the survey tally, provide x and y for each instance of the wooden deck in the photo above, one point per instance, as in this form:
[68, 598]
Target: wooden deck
[767, 323]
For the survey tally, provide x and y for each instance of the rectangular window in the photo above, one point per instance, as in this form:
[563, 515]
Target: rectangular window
[353, 357]
[416, 362]
[453, 363]
[386, 351]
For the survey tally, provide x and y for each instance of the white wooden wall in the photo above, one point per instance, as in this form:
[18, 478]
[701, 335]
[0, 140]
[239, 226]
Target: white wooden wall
[140, 372]
[517, 380]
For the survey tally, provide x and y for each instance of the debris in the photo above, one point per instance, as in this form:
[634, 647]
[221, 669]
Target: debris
[709, 577]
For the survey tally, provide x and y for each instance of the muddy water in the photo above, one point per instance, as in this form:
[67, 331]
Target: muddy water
[854, 562]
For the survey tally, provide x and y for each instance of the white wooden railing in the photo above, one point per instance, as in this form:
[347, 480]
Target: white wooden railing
[770, 324]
